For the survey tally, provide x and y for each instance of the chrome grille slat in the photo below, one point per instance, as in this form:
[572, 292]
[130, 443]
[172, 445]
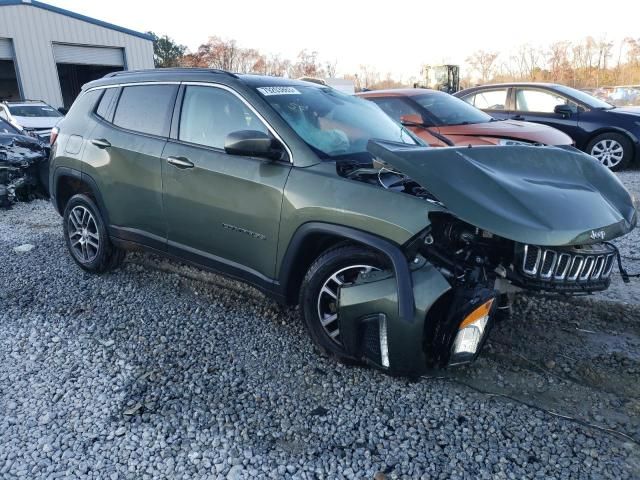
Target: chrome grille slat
[589, 263]
[562, 268]
[576, 268]
[546, 269]
[567, 267]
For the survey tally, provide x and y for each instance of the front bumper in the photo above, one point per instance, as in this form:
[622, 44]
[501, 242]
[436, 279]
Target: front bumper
[372, 329]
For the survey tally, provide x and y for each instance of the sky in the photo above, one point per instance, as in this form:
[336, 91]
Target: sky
[395, 37]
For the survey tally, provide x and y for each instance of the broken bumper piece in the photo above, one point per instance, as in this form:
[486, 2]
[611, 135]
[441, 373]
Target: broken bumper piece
[448, 326]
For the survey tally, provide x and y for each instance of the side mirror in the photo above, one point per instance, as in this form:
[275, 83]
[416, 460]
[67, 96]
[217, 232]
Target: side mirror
[63, 110]
[564, 110]
[411, 120]
[252, 143]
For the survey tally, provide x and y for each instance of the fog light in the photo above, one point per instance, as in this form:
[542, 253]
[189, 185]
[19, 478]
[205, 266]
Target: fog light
[470, 334]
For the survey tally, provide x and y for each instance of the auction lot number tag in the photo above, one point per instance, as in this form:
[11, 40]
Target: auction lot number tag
[266, 91]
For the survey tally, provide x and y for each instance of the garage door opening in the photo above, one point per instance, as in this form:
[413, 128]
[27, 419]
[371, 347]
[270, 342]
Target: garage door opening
[73, 76]
[8, 81]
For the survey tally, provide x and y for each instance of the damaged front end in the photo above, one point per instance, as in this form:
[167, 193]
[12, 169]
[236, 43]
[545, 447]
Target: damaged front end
[503, 219]
[23, 168]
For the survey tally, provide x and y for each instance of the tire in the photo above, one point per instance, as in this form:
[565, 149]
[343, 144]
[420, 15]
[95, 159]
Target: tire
[613, 150]
[344, 262]
[86, 236]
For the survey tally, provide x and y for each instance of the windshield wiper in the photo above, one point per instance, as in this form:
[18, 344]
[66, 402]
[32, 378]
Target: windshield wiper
[439, 136]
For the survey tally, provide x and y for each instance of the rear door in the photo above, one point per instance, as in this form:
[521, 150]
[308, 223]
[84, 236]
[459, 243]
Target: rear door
[494, 101]
[222, 210]
[534, 104]
[124, 157]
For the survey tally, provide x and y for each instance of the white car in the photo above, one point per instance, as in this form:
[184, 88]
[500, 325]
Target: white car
[31, 116]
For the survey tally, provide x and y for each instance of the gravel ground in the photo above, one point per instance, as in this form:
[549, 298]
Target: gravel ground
[160, 370]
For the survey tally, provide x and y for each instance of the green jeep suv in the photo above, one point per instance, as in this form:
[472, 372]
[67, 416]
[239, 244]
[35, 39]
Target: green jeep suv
[399, 255]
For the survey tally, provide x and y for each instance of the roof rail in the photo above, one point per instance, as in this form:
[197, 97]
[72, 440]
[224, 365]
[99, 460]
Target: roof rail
[171, 70]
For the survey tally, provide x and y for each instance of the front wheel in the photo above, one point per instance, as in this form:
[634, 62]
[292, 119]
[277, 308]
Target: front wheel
[613, 150]
[86, 236]
[319, 293]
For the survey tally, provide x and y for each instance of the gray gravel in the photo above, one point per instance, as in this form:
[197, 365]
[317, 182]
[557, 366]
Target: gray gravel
[160, 370]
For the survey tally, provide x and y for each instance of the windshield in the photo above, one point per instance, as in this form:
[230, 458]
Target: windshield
[447, 110]
[34, 111]
[5, 127]
[332, 123]
[584, 97]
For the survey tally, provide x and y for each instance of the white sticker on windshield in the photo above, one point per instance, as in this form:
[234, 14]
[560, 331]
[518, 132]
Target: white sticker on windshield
[266, 91]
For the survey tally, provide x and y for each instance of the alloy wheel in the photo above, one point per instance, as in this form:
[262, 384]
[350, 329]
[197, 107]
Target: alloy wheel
[328, 298]
[84, 238]
[608, 152]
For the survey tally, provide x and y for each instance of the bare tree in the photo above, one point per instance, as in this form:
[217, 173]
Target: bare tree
[483, 63]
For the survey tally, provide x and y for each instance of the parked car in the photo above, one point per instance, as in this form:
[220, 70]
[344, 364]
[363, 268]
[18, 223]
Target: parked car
[23, 165]
[440, 120]
[610, 134]
[399, 254]
[34, 117]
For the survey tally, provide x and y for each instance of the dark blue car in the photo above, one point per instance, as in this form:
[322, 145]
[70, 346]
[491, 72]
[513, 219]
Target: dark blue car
[609, 133]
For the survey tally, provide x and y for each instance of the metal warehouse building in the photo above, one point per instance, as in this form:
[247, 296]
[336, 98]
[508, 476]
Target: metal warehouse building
[47, 53]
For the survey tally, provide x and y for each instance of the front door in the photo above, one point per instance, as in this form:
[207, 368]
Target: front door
[222, 210]
[537, 105]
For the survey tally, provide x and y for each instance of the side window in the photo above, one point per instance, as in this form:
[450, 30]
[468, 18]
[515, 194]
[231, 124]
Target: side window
[146, 108]
[538, 101]
[396, 107]
[209, 114]
[489, 100]
[103, 110]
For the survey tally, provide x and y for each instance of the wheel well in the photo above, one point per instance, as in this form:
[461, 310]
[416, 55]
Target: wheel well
[67, 187]
[314, 245]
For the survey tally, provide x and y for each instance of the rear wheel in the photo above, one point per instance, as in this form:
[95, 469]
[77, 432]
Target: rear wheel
[319, 293]
[86, 236]
[613, 150]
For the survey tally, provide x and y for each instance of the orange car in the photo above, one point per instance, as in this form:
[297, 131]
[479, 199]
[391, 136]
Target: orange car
[443, 120]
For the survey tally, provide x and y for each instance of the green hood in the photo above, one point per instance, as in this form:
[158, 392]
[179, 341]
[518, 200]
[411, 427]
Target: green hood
[536, 195]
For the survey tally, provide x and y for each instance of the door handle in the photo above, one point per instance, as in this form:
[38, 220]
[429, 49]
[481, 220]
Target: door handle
[101, 143]
[180, 162]
[517, 117]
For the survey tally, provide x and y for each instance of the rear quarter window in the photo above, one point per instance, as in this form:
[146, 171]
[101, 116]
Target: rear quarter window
[104, 107]
[146, 108]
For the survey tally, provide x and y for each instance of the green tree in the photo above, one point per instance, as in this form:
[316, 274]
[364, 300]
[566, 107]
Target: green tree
[166, 52]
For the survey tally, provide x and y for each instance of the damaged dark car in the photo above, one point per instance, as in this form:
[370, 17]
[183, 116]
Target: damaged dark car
[399, 255]
[24, 164]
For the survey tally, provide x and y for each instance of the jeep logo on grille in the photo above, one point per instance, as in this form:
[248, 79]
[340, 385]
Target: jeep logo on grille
[597, 234]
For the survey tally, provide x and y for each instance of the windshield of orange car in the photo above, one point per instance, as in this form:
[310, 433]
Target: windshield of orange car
[446, 110]
[332, 123]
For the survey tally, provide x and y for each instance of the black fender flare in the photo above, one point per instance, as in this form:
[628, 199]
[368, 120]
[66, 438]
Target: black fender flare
[61, 172]
[392, 251]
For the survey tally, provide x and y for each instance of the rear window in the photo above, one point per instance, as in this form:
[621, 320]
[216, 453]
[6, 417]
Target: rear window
[34, 111]
[146, 109]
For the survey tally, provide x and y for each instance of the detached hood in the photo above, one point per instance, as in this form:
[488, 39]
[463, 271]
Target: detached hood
[513, 129]
[537, 195]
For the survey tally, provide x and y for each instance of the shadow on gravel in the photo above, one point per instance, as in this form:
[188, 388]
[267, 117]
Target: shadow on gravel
[574, 357]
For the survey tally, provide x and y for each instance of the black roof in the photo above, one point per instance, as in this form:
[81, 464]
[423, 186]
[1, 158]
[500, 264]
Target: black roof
[192, 74]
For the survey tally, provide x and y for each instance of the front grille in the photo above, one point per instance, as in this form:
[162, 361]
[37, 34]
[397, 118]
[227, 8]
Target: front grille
[577, 268]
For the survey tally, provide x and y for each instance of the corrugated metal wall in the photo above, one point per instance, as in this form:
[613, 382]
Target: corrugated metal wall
[34, 30]
[6, 50]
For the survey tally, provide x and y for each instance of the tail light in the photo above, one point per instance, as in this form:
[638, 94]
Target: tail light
[54, 135]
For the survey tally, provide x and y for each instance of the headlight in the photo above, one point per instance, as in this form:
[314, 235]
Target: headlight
[507, 141]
